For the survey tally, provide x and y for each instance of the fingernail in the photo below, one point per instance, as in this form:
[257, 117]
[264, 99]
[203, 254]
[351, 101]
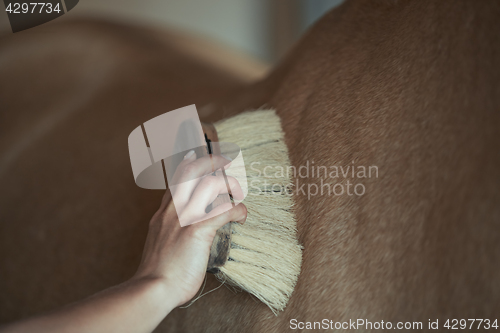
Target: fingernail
[226, 157]
[189, 154]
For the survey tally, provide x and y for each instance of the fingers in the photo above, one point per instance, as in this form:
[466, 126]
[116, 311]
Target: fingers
[190, 171]
[198, 186]
[188, 158]
[193, 169]
[224, 214]
[209, 188]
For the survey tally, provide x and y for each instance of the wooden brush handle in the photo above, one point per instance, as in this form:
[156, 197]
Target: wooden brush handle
[219, 252]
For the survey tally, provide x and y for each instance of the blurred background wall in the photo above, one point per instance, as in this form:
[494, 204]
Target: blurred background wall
[263, 29]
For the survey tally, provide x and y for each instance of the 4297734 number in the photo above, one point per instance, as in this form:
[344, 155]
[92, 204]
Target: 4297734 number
[23, 8]
[456, 324]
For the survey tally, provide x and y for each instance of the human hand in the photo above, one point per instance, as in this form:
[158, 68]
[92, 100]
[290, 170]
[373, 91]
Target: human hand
[175, 255]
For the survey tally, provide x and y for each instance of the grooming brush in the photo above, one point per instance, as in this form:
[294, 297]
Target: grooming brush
[262, 256]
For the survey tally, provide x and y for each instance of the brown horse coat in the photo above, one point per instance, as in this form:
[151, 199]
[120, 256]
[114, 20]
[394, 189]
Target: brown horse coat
[412, 88]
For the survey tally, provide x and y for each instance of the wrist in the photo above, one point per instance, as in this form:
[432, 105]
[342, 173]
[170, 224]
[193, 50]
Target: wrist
[160, 292]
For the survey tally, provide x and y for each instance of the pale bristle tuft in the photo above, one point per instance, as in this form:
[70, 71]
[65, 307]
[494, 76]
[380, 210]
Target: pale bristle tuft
[265, 255]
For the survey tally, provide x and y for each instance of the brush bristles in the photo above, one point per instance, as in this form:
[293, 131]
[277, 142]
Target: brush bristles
[265, 255]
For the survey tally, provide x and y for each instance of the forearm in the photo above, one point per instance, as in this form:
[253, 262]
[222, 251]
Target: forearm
[178, 254]
[134, 306]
